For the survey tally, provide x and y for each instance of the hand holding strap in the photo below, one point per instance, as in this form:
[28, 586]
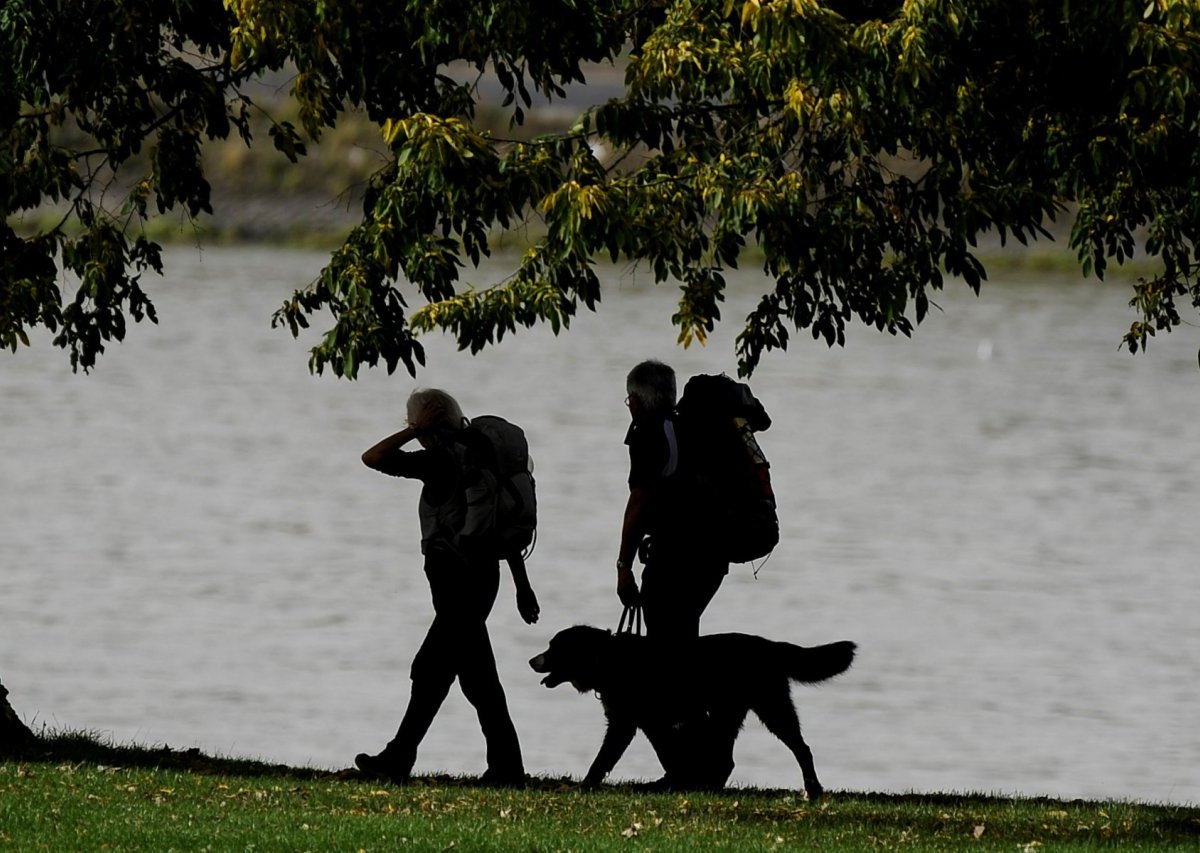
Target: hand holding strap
[634, 615]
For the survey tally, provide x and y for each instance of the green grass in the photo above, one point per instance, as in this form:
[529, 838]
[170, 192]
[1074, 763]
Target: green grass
[82, 795]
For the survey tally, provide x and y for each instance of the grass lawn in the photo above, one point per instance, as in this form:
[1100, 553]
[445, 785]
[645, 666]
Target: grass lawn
[82, 795]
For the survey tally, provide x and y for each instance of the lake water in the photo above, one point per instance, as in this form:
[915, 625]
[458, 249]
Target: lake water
[1002, 512]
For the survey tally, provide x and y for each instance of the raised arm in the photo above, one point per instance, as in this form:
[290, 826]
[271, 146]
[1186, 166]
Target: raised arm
[376, 456]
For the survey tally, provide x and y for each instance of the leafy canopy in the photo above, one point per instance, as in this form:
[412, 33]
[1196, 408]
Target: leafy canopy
[857, 150]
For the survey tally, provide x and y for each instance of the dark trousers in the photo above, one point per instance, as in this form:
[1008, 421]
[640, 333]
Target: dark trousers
[679, 580]
[457, 646]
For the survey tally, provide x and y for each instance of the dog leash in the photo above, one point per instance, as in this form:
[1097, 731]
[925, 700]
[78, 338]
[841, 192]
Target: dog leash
[634, 615]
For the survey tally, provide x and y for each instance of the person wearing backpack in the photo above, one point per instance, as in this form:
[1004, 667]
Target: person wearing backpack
[457, 510]
[661, 523]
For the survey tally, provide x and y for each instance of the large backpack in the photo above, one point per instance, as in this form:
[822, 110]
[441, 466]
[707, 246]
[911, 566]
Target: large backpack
[724, 468]
[515, 523]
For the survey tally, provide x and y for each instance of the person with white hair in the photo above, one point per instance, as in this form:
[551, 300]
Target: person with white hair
[464, 576]
[683, 570]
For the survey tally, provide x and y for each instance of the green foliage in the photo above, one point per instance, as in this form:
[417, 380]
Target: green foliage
[861, 149]
[89, 84]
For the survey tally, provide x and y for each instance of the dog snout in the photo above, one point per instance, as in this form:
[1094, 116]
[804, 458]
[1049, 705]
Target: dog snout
[538, 663]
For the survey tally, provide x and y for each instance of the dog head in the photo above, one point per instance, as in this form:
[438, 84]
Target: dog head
[577, 655]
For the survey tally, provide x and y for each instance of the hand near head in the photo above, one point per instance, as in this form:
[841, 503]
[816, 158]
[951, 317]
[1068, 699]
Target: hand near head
[428, 415]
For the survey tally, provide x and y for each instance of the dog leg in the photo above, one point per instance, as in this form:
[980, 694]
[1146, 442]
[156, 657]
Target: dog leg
[778, 714]
[617, 737]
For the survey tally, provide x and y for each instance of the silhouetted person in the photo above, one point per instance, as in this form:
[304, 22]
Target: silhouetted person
[455, 509]
[682, 570]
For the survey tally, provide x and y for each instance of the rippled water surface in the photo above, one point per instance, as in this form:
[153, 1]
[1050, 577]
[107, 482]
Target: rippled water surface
[1001, 511]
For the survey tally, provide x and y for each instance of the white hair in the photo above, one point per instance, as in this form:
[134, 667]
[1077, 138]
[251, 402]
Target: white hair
[452, 415]
[653, 383]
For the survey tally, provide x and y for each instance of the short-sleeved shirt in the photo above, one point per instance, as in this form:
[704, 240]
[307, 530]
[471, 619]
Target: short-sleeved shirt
[653, 451]
[436, 468]
[447, 472]
[653, 464]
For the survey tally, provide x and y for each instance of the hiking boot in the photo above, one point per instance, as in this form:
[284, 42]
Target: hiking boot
[381, 767]
[502, 779]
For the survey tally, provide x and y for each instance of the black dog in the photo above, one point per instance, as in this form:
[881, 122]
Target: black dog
[690, 699]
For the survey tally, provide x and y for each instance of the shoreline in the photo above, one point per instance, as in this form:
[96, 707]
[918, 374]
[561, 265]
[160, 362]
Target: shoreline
[84, 748]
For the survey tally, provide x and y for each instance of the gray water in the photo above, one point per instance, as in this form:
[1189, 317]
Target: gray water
[1001, 512]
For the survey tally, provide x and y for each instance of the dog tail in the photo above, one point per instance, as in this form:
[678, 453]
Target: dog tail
[809, 665]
